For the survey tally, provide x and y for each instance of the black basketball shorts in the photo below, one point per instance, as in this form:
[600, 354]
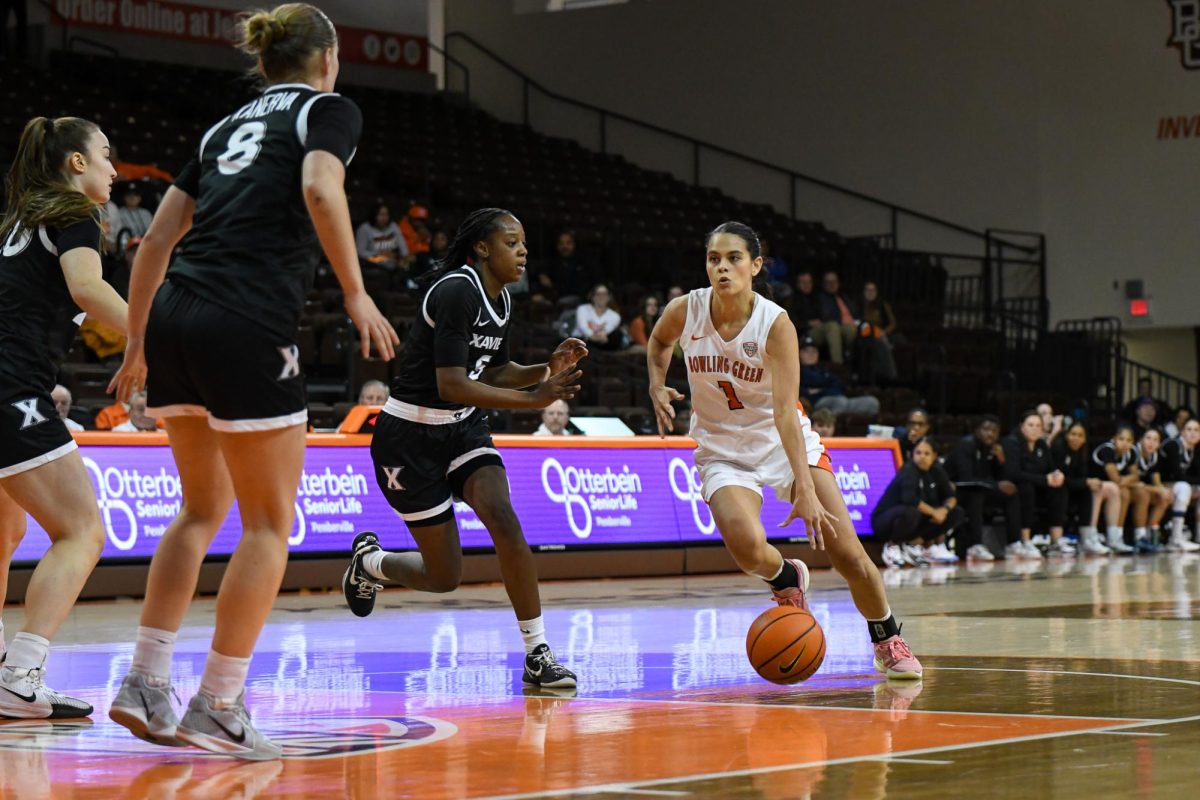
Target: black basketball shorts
[422, 467]
[204, 360]
[31, 432]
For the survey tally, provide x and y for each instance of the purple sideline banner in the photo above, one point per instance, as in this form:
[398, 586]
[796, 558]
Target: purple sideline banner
[564, 496]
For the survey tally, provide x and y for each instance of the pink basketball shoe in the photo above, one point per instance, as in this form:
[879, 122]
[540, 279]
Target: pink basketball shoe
[894, 659]
[795, 596]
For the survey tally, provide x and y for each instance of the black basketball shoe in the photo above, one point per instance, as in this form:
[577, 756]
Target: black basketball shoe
[541, 669]
[357, 585]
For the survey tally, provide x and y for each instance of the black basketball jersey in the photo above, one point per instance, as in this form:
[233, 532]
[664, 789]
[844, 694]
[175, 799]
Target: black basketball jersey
[1179, 462]
[459, 326]
[252, 247]
[34, 300]
[1106, 453]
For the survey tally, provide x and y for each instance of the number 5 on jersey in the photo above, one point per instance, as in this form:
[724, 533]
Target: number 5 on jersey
[734, 403]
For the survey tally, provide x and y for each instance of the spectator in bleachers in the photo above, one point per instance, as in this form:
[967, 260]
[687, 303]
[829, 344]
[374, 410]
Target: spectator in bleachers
[107, 343]
[1029, 464]
[132, 219]
[379, 240]
[824, 423]
[129, 171]
[1114, 462]
[839, 326]
[1183, 472]
[1179, 419]
[1145, 392]
[111, 416]
[917, 511]
[805, 307]
[373, 393]
[415, 229]
[1053, 425]
[641, 325]
[563, 279]
[1145, 417]
[1154, 498]
[1085, 495]
[139, 421]
[596, 323]
[110, 225]
[775, 270]
[824, 389]
[875, 334]
[61, 396]
[674, 291]
[976, 465]
[556, 420]
[915, 428]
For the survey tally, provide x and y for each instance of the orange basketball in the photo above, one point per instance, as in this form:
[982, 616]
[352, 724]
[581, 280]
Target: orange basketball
[785, 645]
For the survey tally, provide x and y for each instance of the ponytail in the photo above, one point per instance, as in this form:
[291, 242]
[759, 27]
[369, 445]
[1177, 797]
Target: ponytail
[37, 192]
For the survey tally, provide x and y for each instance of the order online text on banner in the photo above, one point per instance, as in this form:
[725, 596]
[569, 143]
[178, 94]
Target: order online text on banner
[566, 497]
[206, 25]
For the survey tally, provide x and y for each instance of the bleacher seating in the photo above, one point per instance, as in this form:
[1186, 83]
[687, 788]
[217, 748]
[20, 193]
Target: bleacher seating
[638, 227]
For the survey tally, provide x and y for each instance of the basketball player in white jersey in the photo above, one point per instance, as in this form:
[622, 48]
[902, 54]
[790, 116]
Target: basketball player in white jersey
[743, 363]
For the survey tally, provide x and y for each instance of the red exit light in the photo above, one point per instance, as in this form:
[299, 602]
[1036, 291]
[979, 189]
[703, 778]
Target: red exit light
[1139, 308]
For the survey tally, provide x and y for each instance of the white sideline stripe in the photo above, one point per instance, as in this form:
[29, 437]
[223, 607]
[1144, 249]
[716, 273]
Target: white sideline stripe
[937, 762]
[1183, 681]
[1130, 733]
[625, 787]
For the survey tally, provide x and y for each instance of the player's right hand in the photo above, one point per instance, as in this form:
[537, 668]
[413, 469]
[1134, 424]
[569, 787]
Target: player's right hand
[560, 386]
[664, 412]
[817, 520]
[131, 377]
[373, 327]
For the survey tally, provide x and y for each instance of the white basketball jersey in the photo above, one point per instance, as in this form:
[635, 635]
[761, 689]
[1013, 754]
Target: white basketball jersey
[733, 416]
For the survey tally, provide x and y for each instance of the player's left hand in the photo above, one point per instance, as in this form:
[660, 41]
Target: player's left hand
[131, 377]
[567, 354]
[817, 520]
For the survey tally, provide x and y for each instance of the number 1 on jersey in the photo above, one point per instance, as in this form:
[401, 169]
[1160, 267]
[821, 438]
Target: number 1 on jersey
[734, 403]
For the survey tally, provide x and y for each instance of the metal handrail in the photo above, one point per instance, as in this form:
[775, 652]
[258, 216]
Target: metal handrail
[698, 145]
[449, 59]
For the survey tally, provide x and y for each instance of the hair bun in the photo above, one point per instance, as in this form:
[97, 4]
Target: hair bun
[263, 29]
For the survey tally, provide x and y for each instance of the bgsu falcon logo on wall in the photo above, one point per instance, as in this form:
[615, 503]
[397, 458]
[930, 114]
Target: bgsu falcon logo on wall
[1185, 31]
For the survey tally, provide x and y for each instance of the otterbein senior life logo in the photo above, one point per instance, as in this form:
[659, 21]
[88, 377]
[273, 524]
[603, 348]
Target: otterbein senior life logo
[1185, 31]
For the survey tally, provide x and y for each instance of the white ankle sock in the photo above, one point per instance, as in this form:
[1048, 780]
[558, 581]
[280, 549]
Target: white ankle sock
[533, 631]
[224, 676]
[1116, 534]
[28, 651]
[152, 652]
[1177, 527]
[373, 564]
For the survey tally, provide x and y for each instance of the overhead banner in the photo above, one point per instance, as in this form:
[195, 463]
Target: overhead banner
[618, 494]
[207, 25]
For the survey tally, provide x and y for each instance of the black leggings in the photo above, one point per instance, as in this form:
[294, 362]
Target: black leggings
[972, 501]
[900, 524]
[1080, 501]
[1055, 499]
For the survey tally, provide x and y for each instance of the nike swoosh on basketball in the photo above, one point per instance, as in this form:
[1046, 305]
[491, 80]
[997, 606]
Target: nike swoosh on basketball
[30, 699]
[237, 738]
[786, 668]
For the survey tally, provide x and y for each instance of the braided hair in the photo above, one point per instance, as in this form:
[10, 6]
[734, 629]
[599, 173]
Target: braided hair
[476, 227]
